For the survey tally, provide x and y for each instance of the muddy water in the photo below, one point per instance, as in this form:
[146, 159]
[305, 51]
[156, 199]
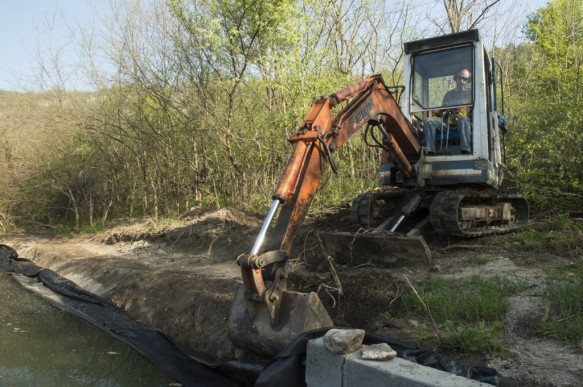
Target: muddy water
[43, 346]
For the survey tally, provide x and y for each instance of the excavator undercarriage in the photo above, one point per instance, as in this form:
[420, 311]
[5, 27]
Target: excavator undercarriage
[461, 212]
[396, 221]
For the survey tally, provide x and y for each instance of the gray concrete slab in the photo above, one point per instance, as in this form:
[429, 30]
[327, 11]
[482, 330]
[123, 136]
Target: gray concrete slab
[324, 368]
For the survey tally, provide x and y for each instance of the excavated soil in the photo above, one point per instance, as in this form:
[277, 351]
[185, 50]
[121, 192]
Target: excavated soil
[180, 279]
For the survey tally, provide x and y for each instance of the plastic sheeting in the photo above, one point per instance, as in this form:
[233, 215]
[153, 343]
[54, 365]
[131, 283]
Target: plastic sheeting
[286, 369]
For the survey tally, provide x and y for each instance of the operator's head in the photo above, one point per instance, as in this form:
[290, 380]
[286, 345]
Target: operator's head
[462, 77]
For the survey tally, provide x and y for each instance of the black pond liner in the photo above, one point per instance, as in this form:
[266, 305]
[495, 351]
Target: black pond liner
[189, 369]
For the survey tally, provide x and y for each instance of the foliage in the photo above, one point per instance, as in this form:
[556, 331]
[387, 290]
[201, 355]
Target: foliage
[205, 94]
[545, 147]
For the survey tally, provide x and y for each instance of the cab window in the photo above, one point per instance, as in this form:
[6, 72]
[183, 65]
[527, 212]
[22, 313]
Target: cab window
[433, 75]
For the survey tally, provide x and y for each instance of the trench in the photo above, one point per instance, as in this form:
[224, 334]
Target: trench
[53, 350]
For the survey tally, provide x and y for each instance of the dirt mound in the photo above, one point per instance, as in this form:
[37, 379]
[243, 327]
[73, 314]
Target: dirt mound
[218, 234]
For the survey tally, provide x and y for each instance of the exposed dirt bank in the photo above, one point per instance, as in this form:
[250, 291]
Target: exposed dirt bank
[180, 278]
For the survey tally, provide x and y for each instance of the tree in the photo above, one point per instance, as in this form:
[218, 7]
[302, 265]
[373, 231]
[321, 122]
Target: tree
[548, 139]
[463, 15]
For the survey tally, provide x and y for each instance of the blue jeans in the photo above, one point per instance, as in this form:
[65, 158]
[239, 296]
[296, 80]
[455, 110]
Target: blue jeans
[463, 126]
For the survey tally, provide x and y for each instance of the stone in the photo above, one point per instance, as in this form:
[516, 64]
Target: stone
[379, 352]
[343, 341]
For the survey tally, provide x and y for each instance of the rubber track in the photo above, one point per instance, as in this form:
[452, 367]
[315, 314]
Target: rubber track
[445, 209]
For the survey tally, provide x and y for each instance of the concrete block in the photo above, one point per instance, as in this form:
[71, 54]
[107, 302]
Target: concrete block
[323, 368]
[398, 373]
[326, 369]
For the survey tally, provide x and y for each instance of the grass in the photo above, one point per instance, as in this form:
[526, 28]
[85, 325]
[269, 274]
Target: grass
[465, 316]
[466, 313]
[480, 337]
[559, 222]
[564, 318]
[557, 235]
[477, 259]
[469, 300]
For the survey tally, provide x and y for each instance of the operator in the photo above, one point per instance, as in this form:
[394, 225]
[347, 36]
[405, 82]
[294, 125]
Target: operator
[461, 95]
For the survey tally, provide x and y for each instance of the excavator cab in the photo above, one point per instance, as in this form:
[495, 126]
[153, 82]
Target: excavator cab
[437, 182]
[452, 65]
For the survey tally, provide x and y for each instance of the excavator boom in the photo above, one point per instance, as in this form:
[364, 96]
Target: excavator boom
[321, 133]
[265, 315]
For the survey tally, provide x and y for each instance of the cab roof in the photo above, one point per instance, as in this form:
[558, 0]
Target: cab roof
[450, 40]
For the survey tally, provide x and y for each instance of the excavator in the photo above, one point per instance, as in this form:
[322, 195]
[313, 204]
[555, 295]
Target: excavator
[447, 191]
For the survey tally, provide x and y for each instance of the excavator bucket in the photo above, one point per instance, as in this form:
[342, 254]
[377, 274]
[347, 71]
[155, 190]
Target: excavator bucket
[378, 248]
[250, 324]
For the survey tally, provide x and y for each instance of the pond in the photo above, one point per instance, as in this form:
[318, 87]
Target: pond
[44, 346]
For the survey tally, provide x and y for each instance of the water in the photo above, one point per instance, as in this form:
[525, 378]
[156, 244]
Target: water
[41, 345]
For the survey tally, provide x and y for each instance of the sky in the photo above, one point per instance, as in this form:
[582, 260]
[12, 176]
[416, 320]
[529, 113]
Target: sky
[27, 25]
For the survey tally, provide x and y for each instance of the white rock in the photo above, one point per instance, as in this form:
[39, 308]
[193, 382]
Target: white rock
[380, 352]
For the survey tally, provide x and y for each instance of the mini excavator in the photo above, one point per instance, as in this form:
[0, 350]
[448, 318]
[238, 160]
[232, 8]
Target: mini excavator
[447, 191]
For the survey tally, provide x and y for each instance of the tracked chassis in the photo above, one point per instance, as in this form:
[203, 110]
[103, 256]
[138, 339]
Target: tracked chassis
[394, 223]
[463, 212]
